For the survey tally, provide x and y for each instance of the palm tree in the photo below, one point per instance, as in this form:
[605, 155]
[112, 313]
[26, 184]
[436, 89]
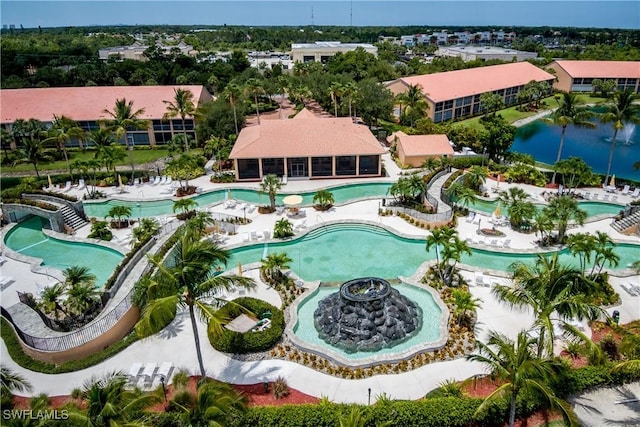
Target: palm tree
[452, 250]
[621, 110]
[184, 205]
[271, 184]
[520, 371]
[188, 277]
[283, 88]
[32, 152]
[282, 228]
[10, 382]
[475, 177]
[199, 223]
[465, 303]
[101, 138]
[124, 117]
[461, 195]
[335, 91]
[351, 91]
[78, 274]
[415, 102]
[231, 94]
[50, 299]
[569, 113]
[181, 106]
[254, 89]
[146, 227]
[109, 403]
[81, 296]
[519, 209]
[274, 263]
[213, 405]
[111, 155]
[61, 132]
[323, 199]
[118, 212]
[563, 209]
[553, 292]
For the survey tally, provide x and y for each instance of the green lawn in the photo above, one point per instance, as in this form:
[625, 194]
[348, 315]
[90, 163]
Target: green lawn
[140, 156]
[510, 114]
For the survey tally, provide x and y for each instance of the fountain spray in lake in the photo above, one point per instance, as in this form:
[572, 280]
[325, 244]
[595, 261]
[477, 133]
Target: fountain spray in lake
[627, 132]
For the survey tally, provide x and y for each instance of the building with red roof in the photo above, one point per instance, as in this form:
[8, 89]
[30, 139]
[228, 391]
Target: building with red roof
[456, 94]
[307, 146]
[413, 150]
[577, 76]
[86, 106]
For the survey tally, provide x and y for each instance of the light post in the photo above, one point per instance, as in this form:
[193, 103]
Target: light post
[369, 389]
[164, 390]
[244, 210]
[133, 167]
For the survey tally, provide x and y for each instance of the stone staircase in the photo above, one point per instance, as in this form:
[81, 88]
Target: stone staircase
[626, 222]
[71, 218]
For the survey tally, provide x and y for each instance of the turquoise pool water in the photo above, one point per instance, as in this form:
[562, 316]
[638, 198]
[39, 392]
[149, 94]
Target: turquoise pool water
[27, 238]
[339, 252]
[341, 194]
[591, 208]
[429, 331]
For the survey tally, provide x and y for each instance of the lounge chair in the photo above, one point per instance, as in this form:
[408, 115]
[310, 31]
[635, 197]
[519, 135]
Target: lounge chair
[165, 370]
[279, 210]
[81, 184]
[506, 243]
[230, 204]
[614, 198]
[66, 187]
[636, 193]
[5, 282]
[605, 197]
[587, 195]
[479, 279]
[470, 216]
[148, 372]
[595, 196]
[494, 243]
[246, 237]
[169, 181]
[134, 371]
[163, 180]
[254, 235]
[625, 190]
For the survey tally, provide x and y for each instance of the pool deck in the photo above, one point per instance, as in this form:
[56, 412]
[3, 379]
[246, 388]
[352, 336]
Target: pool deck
[162, 347]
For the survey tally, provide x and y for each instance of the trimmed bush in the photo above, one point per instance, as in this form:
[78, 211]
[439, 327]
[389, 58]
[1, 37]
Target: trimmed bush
[249, 342]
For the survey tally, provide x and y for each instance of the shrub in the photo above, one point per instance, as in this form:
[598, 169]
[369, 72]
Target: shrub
[249, 342]
[280, 388]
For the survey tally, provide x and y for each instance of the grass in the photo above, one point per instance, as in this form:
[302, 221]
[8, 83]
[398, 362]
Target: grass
[140, 156]
[510, 114]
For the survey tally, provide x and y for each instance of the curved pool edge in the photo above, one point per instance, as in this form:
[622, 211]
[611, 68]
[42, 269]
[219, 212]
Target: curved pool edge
[373, 359]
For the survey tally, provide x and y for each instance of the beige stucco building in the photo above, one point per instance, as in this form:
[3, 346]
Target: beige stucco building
[485, 53]
[456, 94]
[413, 150]
[322, 51]
[577, 76]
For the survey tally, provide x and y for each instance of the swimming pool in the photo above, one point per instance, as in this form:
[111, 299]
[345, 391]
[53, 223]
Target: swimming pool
[340, 252]
[429, 332]
[139, 209]
[591, 208]
[28, 239]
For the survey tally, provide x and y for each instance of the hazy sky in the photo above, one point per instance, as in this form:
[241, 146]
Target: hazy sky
[574, 13]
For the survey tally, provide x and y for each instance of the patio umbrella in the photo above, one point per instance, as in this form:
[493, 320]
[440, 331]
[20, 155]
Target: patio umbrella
[120, 180]
[229, 194]
[497, 213]
[292, 200]
[612, 183]
[498, 179]
[50, 182]
[239, 268]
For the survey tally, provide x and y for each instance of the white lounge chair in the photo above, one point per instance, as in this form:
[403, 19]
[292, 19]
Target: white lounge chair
[254, 235]
[279, 210]
[479, 279]
[134, 371]
[587, 195]
[246, 237]
[605, 197]
[614, 198]
[470, 216]
[66, 187]
[230, 204]
[625, 190]
[636, 193]
[165, 370]
[506, 243]
[148, 371]
[169, 181]
[6, 281]
[81, 184]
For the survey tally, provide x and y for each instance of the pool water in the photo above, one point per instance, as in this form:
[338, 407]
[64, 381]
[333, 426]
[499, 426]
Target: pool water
[139, 209]
[429, 331]
[542, 140]
[591, 208]
[340, 252]
[27, 238]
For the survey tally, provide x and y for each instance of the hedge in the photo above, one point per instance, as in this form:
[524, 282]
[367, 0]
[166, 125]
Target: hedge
[249, 342]
[12, 342]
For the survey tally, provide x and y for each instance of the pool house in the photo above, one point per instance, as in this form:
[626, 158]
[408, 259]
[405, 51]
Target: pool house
[307, 147]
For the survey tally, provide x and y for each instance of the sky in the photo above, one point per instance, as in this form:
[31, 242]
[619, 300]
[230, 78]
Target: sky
[504, 13]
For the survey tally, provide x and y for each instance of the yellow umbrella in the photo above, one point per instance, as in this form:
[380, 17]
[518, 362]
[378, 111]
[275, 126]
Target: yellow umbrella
[229, 194]
[292, 200]
[239, 268]
[497, 213]
[50, 182]
[498, 179]
[120, 180]
[612, 183]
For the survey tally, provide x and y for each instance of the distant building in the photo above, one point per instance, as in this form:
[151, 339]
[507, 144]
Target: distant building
[413, 150]
[137, 49]
[472, 53]
[456, 94]
[577, 76]
[307, 147]
[322, 51]
[86, 106]
[269, 59]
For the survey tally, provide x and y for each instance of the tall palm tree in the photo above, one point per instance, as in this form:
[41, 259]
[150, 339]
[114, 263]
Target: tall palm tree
[200, 222]
[109, 403]
[110, 156]
[231, 94]
[188, 279]
[621, 110]
[283, 88]
[124, 117]
[63, 129]
[476, 176]
[351, 91]
[271, 184]
[181, 106]
[448, 248]
[415, 103]
[32, 151]
[520, 371]
[213, 405]
[274, 263]
[254, 89]
[553, 292]
[335, 91]
[569, 113]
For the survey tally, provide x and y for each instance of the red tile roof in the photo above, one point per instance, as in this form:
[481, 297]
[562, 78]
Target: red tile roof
[601, 69]
[85, 103]
[305, 136]
[423, 145]
[474, 81]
